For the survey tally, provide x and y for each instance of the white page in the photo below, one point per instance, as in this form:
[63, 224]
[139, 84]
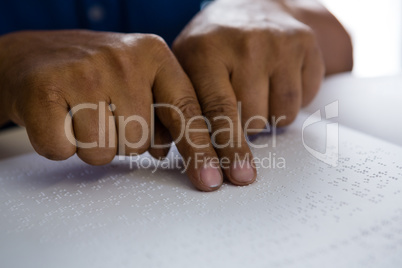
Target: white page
[68, 214]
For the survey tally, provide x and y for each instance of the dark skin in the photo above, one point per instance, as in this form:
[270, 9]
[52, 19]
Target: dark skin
[269, 55]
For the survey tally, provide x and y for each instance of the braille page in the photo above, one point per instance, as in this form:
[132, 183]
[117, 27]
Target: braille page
[308, 214]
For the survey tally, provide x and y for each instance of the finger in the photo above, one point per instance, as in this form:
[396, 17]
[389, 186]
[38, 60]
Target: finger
[49, 126]
[313, 72]
[95, 131]
[285, 94]
[251, 87]
[160, 141]
[132, 111]
[218, 102]
[182, 117]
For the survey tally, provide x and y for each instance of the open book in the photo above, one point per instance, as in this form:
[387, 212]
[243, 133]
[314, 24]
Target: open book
[319, 201]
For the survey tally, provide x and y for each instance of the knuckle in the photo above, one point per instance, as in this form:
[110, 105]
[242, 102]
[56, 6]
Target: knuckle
[295, 29]
[294, 38]
[155, 49]
[117, 58]
[37, 79]
[154, 42]
[103, 51]
[219, 106]
[155, 39]
[251, 44]
[199, 43]
[50, 95]
[53, 95]
[89, 77]
[43, 90]
[304, 35]
[48, 85]
[286, 106]
[289, 97]
[303, 30]
[188, 107]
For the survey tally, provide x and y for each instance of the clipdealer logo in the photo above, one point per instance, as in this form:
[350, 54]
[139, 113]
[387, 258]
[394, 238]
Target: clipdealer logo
[331, 154]
[272, 160]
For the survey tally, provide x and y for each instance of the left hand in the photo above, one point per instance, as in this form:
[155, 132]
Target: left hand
[254, 52]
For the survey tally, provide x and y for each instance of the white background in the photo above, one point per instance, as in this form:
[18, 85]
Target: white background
[376, 29]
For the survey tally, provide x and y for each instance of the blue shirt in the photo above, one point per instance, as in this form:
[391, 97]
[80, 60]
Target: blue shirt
[162, 17]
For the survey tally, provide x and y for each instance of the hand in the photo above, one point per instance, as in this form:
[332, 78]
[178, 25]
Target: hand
[44, 75]
[253, 52]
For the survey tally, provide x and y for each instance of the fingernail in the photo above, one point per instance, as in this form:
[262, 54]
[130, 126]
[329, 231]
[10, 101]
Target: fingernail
[210, 176]
[242, 172]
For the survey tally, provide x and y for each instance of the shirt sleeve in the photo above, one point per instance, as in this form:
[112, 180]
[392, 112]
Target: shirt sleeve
[162, 17]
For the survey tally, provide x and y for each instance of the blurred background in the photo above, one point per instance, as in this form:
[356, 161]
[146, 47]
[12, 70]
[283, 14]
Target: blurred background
[376, 30]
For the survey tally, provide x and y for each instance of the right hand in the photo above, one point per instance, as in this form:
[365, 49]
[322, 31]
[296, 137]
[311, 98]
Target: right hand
[44, 74]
